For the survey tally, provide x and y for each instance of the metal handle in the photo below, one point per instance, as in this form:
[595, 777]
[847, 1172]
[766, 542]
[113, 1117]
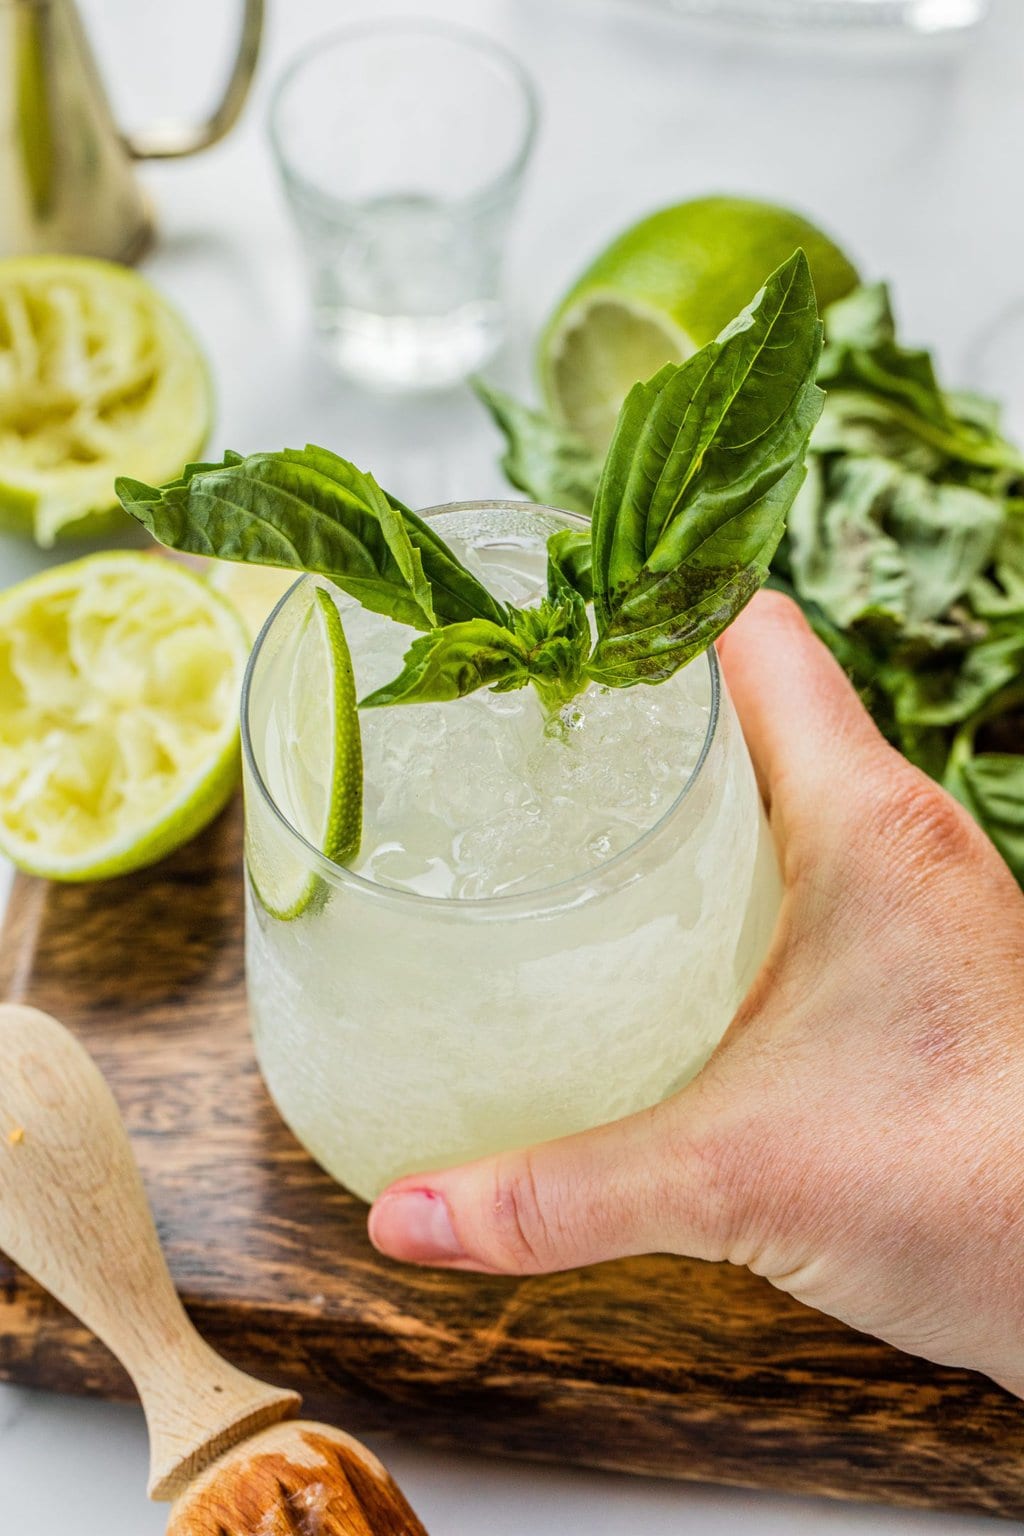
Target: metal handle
[169, 140]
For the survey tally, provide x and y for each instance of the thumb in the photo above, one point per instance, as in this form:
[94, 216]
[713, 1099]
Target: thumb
[806, 729]
[645, 1184]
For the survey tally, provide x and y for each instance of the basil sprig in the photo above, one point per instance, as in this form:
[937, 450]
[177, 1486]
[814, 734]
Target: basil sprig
[545, 646]
[704, 465]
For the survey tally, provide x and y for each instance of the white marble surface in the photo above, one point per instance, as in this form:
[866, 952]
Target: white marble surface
[913, 159]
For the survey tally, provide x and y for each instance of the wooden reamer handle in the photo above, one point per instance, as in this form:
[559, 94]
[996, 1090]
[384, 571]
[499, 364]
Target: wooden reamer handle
[74, 1215]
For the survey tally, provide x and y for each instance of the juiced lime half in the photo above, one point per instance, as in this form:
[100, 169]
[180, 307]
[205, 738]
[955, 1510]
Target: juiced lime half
[99, 376]
[312, 760]
[663, 289]
[120, 676]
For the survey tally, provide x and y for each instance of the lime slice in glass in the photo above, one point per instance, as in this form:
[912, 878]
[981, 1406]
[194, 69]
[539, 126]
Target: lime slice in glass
[663, 289]
[120, 676]
[311, 756]
[99, 376]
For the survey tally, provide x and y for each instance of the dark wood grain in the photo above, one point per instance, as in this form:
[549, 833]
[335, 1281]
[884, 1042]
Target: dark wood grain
[656, 1365]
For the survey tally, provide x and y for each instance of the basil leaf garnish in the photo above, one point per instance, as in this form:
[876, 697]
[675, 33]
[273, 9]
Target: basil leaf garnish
[309, 510]
[704, 465]
[451, 662]
[546, 646]
[905, 549]
[555, 637]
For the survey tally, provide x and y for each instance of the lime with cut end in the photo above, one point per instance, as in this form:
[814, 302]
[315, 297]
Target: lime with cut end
[99, 377]
[663, 289]
[120, 677]
[313, 761]
[253, 590]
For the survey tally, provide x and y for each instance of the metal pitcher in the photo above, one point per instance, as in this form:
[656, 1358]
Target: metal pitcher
[66, 177]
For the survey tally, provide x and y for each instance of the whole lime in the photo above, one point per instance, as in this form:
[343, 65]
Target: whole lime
[661, 290]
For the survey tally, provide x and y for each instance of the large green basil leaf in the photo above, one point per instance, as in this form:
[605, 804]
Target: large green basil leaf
[952, 689]
[861, 351]
[868, 535]
[550, 464]
[309, 510]
[705, 463]
[889, 398]
[457, 594]
[999, 592]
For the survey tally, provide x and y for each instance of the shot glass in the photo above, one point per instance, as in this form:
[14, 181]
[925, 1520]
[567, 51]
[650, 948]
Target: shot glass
[402, 148]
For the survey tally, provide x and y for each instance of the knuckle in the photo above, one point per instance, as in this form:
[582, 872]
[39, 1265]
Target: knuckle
[523, 1233]
[907, 811]
[709, 1176]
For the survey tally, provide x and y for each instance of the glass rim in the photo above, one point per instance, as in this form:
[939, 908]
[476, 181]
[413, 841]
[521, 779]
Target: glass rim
[498, 185]
[340, 875]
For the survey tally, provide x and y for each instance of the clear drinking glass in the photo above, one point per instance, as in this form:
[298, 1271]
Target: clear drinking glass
[402, 149]
[922, 16]
[402, 1023]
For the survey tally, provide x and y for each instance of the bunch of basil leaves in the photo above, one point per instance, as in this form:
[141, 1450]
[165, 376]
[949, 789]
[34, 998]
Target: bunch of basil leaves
[905, 548]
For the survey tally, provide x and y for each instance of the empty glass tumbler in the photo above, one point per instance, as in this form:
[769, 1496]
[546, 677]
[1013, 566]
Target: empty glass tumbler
[402, 148]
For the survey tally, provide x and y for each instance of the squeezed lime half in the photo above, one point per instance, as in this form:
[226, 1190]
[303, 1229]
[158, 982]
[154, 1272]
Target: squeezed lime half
[99, 376]
[120, 676]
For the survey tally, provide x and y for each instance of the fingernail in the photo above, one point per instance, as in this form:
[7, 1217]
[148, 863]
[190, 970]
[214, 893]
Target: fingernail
[415, 1224]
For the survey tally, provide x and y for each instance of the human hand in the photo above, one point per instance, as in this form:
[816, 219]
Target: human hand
[858, 1137]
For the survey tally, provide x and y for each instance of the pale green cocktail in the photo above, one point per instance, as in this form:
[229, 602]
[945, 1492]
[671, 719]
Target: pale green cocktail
[549, 924]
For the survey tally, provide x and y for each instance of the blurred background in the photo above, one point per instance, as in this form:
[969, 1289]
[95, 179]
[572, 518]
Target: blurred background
[905, 149]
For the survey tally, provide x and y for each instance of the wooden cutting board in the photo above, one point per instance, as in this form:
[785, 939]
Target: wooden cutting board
[654, 1365]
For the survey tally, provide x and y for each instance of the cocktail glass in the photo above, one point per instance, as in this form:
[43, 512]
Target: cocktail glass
[550, 923]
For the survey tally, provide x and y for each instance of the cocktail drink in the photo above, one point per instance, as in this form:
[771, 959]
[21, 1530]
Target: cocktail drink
[507, 870]
[550, 922]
